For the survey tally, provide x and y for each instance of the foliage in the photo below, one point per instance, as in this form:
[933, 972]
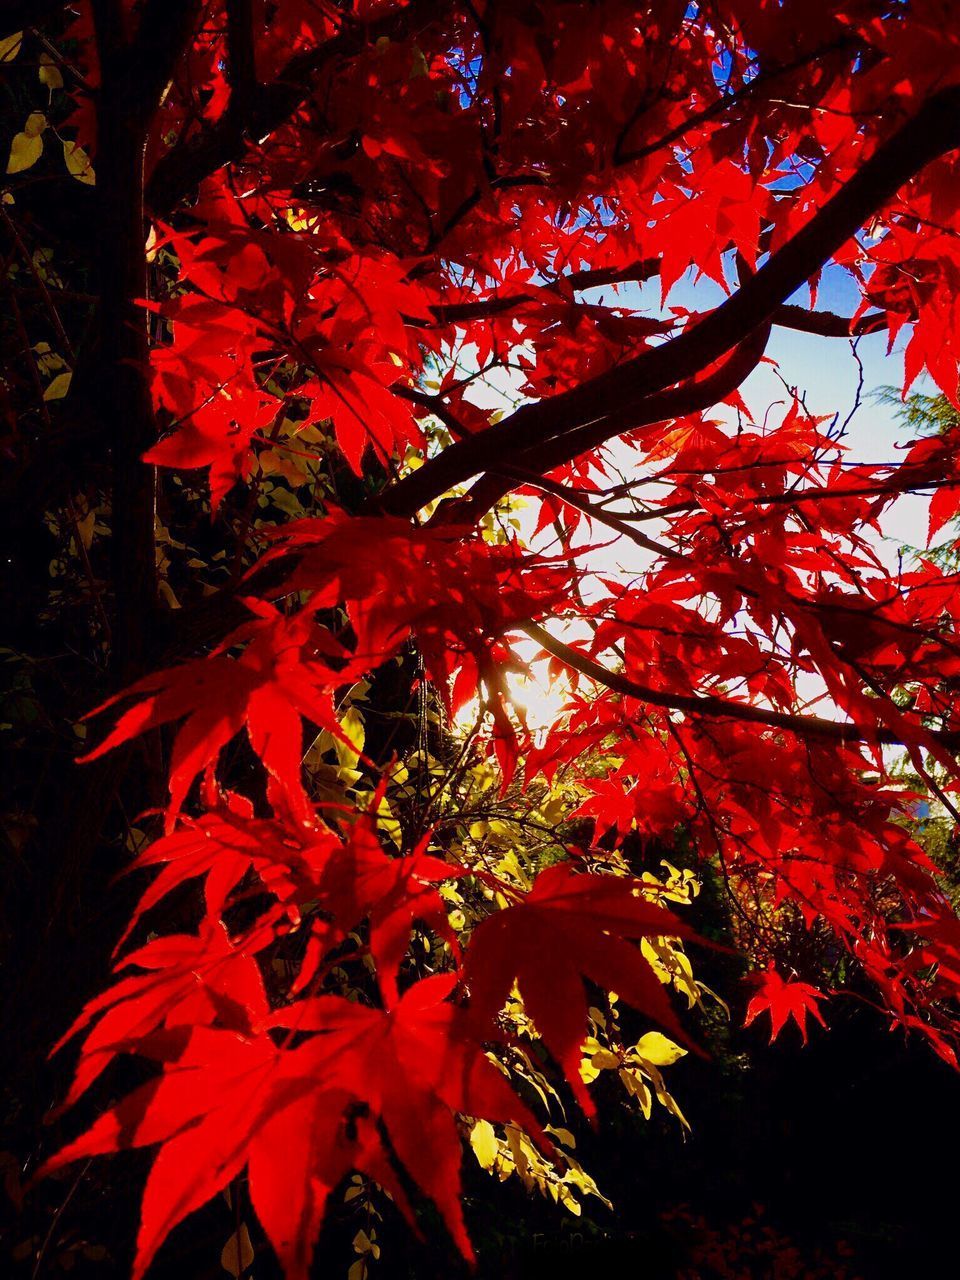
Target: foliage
[308, 566]
[930, 414]
[754, 1247]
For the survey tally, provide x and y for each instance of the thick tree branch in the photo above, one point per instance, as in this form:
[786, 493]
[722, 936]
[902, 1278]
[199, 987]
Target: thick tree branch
[932, 132]
[134, 78]
[677, 402]
[148, 68]
[826, 324]
[241, 59]
[576, 281]
[707, 705]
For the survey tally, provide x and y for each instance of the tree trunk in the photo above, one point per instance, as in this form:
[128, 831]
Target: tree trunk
[124, 392]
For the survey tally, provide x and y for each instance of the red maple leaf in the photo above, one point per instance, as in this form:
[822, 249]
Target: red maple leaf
[360, 881]
[302, 1118]
[221, 847]
[783, 999]
[282, 675]
[224, 1101]
[201, 980]
[571, 926]
[416, 1067]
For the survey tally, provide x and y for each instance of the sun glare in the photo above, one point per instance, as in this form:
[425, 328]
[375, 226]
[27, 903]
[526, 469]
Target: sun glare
[535, 696]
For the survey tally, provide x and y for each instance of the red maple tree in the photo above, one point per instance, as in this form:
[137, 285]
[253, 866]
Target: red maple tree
[359, 215]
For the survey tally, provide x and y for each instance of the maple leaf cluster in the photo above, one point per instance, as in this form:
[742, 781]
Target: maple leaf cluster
[368, 221]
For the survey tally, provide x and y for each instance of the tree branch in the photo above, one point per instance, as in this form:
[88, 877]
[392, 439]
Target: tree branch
[932, 132]
[573, 498]
[690, 397]
[716, 708]
[721, 105]
[134, 78]
[826, 324]
[577, 281]
[241, 59]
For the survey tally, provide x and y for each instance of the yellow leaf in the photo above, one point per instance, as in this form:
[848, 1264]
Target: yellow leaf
[562, 1135]
[286, 502]
[50, 72]
[582, 1181]
[274, 463]
[514, 1140]
[637, 1088]
[656, 1048]
[168, 594]
[387, 823]
[25, 150]
[300, 220]
[85, 528]
[10, 46]
[670, 1103]
[366, 1244]
[569, 1201]
[237, 1253]
[483, 1139]
[78, 163]
[588, 1072]
[58, 387]
[36, 123]
[348, 753]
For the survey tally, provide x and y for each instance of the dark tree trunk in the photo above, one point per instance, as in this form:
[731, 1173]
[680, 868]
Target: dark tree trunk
[124, 391]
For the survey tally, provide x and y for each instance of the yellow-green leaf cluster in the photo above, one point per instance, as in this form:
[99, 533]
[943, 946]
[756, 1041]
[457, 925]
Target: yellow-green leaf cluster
[506, 1151]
